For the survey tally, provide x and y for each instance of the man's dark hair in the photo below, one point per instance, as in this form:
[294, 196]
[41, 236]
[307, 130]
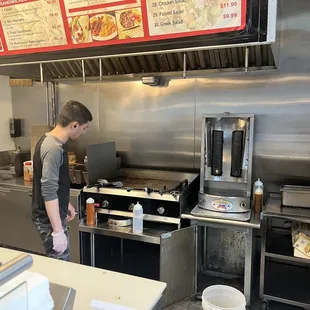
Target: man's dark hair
[74, 111]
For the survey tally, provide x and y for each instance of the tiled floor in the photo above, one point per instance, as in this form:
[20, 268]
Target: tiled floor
[206, 280]
[189, 304]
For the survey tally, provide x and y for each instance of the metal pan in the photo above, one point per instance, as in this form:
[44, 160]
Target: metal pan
[295, 196]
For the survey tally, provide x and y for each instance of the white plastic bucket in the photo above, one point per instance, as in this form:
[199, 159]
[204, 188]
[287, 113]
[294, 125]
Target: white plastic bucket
[222, 297]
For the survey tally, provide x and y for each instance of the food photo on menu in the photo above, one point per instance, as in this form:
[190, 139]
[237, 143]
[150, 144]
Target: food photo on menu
[122, 24]
[79, 27]
[103, 26]
[130, 23]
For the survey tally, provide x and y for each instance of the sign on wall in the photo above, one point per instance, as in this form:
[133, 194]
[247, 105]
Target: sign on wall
[31, 26]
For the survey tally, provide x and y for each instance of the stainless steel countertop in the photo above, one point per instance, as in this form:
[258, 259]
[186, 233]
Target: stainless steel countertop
[275, 209]
[16, 182]
[19, 183]
[253, 223]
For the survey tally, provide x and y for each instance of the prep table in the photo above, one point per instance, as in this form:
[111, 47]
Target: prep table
[92, 283]
[245, 227]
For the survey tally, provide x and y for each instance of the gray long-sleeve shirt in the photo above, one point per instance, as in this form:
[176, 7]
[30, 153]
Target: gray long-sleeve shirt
[50, 178]
[52, 159]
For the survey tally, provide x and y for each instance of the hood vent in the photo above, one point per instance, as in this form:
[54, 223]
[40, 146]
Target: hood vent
[259, 58]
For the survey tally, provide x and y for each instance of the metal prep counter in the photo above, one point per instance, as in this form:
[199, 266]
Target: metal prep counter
[16, 227]
[244, 227]
[283, 277]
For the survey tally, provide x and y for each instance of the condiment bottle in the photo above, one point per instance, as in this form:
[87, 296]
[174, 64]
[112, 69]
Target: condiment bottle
[258, 196]
[137, 225]
[28, 171]
[90, 212]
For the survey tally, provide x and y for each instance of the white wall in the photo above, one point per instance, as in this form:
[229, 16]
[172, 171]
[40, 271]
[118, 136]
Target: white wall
[6, 112]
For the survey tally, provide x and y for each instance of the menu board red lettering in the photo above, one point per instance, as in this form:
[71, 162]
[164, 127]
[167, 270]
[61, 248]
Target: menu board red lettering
[31, 26]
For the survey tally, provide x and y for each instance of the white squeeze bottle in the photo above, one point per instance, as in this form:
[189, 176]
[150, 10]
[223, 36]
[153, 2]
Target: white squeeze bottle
[258, 185]
[137, 225]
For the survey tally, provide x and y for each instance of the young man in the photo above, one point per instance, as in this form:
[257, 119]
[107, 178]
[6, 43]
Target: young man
[51, 208]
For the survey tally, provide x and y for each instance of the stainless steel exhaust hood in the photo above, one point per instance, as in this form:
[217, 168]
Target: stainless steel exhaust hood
[260, 57]
[197, 62]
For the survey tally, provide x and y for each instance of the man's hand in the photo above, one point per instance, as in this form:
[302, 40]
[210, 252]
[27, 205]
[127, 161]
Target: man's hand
[60, 242]
[71, 212]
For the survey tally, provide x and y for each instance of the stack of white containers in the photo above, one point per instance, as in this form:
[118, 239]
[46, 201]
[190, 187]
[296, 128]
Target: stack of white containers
[29, 291]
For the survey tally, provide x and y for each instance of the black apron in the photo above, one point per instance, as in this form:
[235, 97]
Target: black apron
[38, 206]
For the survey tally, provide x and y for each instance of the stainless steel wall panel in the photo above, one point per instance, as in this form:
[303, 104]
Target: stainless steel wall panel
[88, 94]
[281, 104]
[222, 254]
[29, 104]
[152, 126]
[294, 36]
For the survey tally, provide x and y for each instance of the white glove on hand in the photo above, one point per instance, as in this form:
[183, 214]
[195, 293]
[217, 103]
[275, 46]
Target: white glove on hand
[60, 242]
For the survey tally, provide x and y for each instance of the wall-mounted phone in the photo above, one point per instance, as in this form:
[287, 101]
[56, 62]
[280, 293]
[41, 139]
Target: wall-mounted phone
[15, 127]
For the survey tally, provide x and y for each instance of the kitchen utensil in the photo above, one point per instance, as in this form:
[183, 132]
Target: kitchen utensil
[119, 221]
[105, 183]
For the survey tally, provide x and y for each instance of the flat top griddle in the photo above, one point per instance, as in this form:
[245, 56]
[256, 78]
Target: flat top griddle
[138, 183]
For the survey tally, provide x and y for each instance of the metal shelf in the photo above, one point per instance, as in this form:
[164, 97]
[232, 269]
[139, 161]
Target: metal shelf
[288, 259]
[287, 284]
[279, 247]
[149, 235]
[146, 217]
[133, 193]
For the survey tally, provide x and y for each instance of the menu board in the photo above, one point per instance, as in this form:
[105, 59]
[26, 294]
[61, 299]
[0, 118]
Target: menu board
[32, 26]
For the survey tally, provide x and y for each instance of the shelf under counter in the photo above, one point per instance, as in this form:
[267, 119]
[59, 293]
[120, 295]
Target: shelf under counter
[285, 283]
[146, 217]
[149, 235]
[279, 247]
[134, 193]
